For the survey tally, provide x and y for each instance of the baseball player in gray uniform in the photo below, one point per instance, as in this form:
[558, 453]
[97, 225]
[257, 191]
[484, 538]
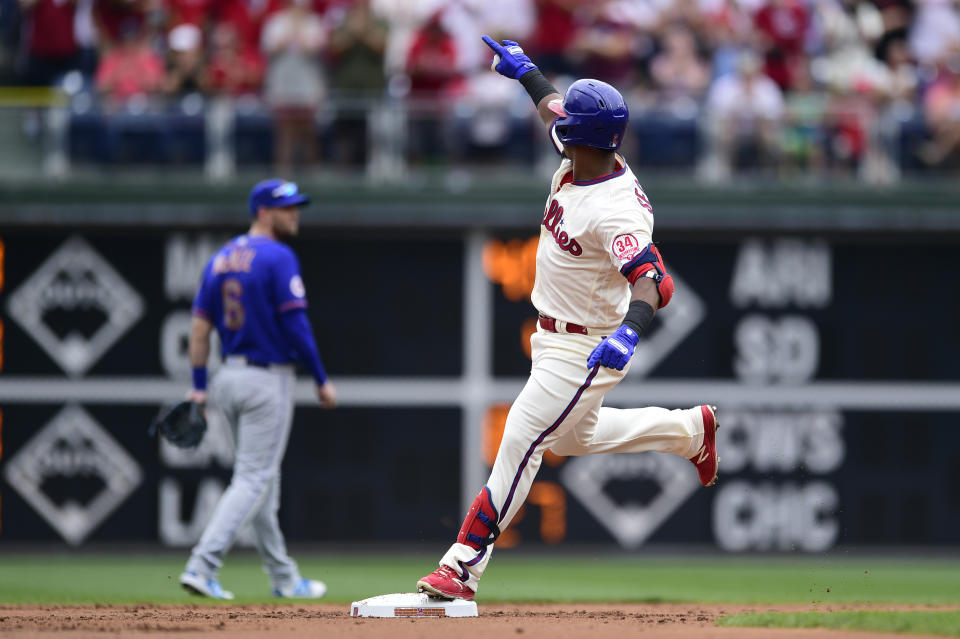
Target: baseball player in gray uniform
[252, 292]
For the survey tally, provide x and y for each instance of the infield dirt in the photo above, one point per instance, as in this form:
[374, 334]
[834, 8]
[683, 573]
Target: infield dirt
[529, 621]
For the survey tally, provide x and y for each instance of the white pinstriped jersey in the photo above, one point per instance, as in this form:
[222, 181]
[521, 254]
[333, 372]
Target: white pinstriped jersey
[590, 232]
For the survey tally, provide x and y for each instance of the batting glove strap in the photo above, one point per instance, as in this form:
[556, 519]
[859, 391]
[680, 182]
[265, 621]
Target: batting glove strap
[616, 350]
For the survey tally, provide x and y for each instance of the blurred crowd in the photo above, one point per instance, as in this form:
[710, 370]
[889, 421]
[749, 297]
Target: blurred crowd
[796, 84]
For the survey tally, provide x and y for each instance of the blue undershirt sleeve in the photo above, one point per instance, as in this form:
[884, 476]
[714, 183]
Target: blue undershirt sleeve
[296, 328]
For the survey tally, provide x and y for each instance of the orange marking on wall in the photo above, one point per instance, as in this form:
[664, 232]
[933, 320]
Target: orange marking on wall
[526, 332]
[512, 265]
[511, 537]
[552, 499]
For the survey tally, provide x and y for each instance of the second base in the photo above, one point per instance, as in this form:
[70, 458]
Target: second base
[412, 604]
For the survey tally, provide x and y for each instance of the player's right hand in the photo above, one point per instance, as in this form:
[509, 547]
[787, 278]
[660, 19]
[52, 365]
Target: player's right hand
[510, 60]
[327, 394]
[615, 351]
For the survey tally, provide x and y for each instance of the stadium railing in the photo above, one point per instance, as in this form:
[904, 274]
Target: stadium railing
[49, 132]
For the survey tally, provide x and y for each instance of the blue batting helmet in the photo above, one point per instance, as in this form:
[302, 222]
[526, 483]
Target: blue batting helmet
[593, 114]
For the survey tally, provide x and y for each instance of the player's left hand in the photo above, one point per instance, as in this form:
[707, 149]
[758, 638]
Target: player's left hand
[327, 395]
[616, 350]
[510, 60]
[182, 425]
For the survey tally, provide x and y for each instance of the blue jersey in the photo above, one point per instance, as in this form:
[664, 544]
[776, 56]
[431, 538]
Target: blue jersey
[245, 288]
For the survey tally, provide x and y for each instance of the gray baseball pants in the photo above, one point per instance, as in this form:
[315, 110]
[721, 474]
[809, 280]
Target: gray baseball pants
[258, 405]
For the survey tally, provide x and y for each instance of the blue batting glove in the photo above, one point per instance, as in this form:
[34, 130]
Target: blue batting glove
[615, 351]
[513, 61]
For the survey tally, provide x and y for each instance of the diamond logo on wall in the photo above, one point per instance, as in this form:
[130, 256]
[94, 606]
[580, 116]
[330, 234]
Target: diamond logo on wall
[76, 306]
[631, 521]
[73, 473]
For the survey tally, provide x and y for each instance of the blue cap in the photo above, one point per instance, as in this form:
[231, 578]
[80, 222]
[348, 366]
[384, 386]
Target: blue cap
[275, 193]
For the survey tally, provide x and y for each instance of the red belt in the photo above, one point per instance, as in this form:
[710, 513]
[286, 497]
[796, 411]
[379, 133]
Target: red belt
[550, 324]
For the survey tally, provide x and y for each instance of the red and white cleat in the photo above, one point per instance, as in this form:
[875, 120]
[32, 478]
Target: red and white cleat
[445, 583]
[706, 460]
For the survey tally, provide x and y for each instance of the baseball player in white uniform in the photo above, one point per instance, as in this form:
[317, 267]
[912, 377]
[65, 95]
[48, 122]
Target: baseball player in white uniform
[599, 282]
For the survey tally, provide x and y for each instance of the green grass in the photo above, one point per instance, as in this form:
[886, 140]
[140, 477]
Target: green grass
[52, 578]
[912, 622]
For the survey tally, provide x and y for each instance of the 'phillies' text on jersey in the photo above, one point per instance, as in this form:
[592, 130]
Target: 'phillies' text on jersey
[553, 220]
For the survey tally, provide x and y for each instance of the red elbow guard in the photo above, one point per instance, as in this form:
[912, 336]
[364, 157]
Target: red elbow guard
[650, 264]
[665, 287]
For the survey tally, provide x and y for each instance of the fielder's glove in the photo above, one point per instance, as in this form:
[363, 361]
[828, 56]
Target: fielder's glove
[183, 425]
[512, 62]
[616, 350]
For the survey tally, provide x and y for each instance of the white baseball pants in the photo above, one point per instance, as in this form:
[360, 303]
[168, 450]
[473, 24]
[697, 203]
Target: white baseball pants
[560, 409]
